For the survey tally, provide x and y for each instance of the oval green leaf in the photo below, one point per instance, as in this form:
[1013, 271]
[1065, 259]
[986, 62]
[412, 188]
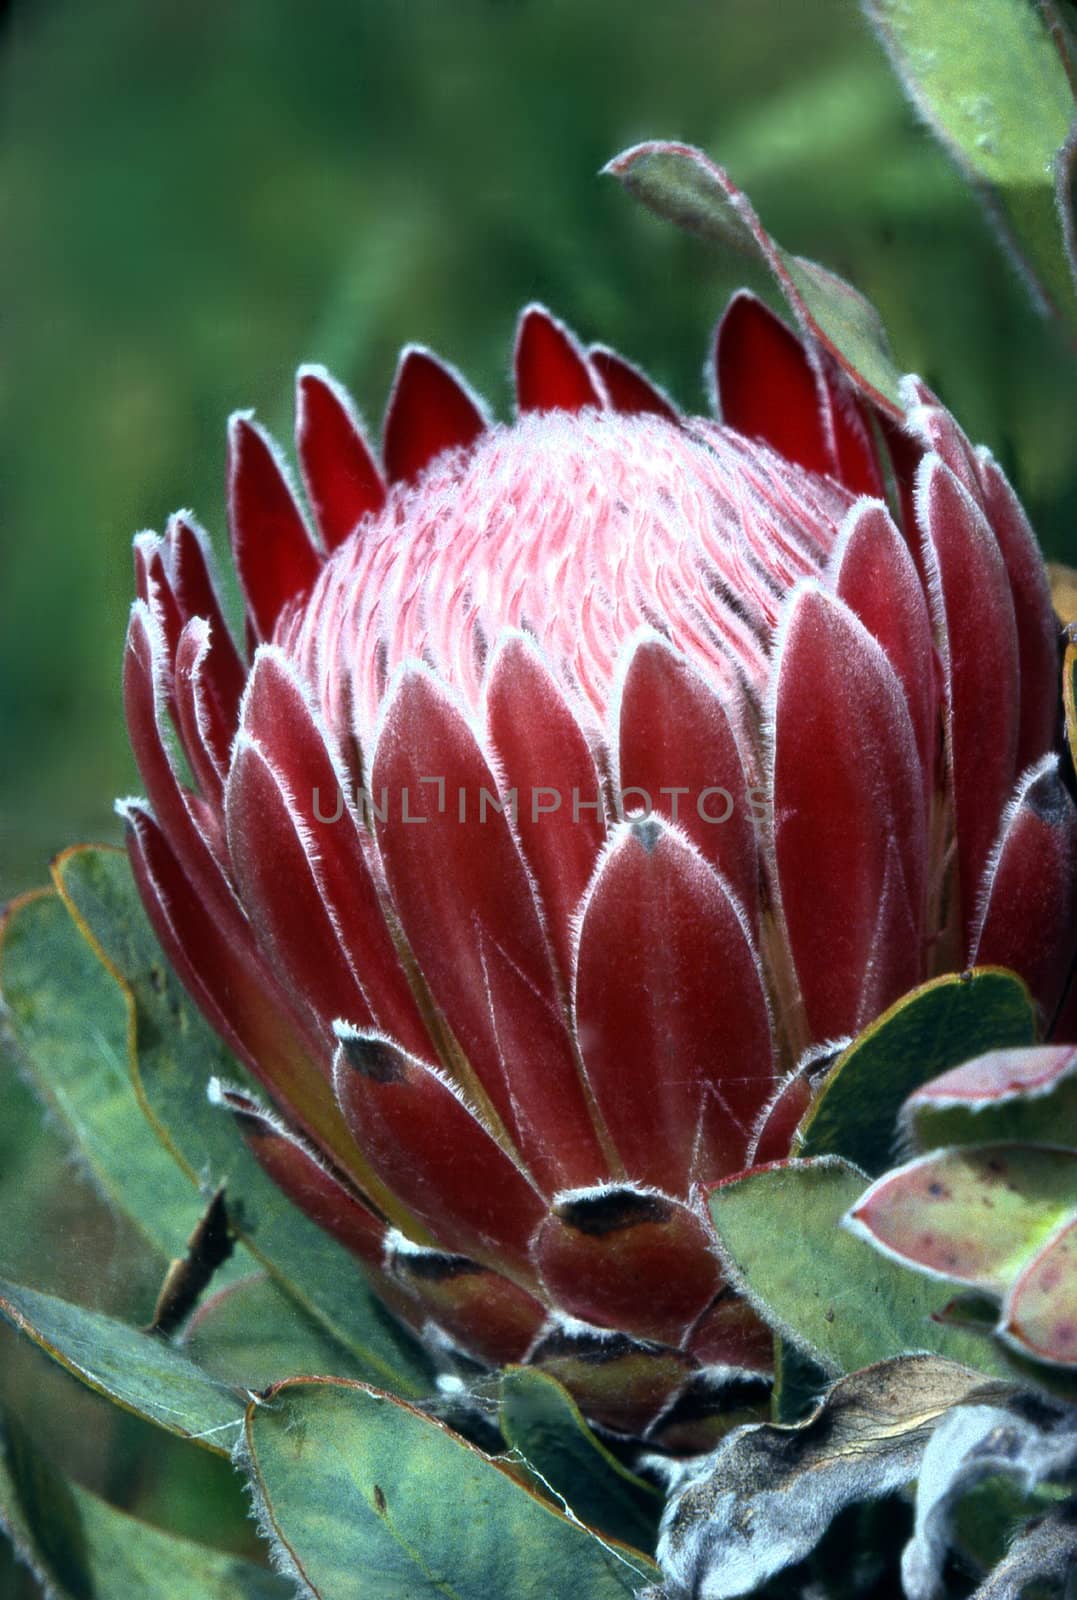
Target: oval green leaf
[368, 1496]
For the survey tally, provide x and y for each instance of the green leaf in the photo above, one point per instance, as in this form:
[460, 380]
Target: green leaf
[69, 1019]
[684, 186]
[174, 1053]
[81, 1548]
[823, 1289]
[135, 1370]
[252, 1335]
[993, 84]
[937, 1026]
[368, 1496]
[541, 1420]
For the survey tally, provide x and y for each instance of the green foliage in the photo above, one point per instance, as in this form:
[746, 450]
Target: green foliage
[82, 1548]
[944, 1022]
[824, 1290]
[994, 83]
[370, 1497]
[542, 1422]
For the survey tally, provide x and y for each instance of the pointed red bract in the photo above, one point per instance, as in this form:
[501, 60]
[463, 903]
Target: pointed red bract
[430, 410]
[674, 734]
[552, 372]
[461, 891]
[973, 608]
[273, 552]
[543, 754]
[341, 477]
[205, 735]
[1030, 888]
[850, 831]
[670, 1011]
[432, 1150]
[629, 389]
[196, 595]
[766, 386]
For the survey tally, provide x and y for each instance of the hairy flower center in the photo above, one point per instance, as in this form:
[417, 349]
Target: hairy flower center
[578, 529]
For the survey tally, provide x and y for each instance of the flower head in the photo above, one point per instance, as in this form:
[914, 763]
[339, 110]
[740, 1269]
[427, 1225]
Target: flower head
[590, 775]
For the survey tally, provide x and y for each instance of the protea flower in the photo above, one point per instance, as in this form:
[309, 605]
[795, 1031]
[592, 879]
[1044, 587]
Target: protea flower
[590, 774]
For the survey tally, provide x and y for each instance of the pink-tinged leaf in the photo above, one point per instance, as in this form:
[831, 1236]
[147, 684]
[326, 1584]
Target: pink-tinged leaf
[481, 1312]
[670, 1010]
[218, 963]
[430, 409]
[971, 598]
[627, 1258]
[274, 554]
[462, 893]
[1040, 1316]
[277, 717]
[850, 833]
[190, 563]
[341, 477]
[544, 756]
[684, 186]
[996, 1077]
[552, 371]
[272, 855]
[974, 1215]
[435, 1154]
[767, 388]
[205, 734]
[777, 1127]
[674, 734]
[304, 1176]
[629, 389]
[874, 573]
[1037, 627]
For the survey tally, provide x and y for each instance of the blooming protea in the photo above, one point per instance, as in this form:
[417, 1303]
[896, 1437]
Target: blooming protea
[589, 774]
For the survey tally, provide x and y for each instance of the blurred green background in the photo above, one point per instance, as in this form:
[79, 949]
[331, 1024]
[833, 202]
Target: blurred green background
[199, 194]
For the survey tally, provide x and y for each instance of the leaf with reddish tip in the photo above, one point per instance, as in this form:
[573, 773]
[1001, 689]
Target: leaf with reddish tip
[856, 1107]
[461, 891]
[352, 1485]
[623, 1257]
[275, 557]
[540, 1419]
[552, 371]
[674, 734]
[684, 186]
[629, 389]
[973, 1215]
[431, 1149]
[430, 409]
[171, 1054]
[850, 841]
[680, 1064]
[1025, 1096]
[341, 477]
[545, 757]
[992, 83]
[1040, 1314]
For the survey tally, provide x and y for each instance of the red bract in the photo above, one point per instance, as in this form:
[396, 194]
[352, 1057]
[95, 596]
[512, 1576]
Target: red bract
[589, 773]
